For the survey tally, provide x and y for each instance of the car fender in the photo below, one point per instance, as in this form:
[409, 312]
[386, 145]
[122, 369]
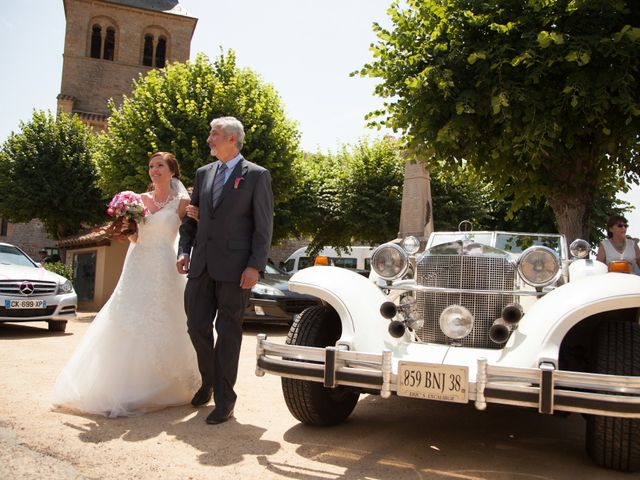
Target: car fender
[357, 301]
[542, 329]
[586, 268]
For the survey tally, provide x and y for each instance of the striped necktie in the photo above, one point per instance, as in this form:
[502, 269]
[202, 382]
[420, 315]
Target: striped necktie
[218, 183]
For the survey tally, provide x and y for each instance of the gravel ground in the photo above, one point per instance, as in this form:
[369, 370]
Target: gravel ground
[398, 438]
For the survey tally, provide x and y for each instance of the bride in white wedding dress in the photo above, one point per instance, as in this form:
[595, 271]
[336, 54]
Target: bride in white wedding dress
[136, 356]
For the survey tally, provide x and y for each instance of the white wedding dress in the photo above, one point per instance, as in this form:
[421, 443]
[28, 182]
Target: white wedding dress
[136, 356]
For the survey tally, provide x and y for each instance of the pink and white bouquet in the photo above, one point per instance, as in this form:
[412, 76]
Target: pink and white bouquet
[127, 205]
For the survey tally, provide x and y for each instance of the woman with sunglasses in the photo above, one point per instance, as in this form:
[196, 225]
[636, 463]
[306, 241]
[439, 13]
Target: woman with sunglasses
[617, 247]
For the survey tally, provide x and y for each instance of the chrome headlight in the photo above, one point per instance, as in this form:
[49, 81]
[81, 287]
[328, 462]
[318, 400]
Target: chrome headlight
[456, 321]
[539, 266]
[411, 244]
[264, 289]
[580, 248]
[66, 287]
[390, 261]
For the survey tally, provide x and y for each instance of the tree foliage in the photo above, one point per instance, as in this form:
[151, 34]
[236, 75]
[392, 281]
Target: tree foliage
[350, 197]
[48, 172]
[540, 97]
[170, 110]
[354, 196]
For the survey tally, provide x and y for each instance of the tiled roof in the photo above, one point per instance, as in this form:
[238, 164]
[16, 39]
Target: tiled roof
[95, 237]
[166, 6]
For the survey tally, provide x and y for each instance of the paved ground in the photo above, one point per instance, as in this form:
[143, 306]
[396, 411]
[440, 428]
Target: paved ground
[399, 438]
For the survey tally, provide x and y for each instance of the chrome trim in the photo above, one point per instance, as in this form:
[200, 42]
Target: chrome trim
[422, 288]
[544, 388]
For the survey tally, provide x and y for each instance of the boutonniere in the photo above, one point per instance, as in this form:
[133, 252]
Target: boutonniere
[237, 182]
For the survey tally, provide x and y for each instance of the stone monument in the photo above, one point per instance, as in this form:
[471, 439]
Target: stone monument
[416, 214]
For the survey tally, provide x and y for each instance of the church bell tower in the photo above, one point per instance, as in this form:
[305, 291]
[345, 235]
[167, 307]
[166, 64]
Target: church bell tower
[109, 43]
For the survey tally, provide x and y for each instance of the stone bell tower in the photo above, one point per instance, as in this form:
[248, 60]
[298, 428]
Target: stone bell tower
[109, 43]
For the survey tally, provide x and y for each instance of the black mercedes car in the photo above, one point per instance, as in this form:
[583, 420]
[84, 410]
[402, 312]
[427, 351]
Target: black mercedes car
[272, 302]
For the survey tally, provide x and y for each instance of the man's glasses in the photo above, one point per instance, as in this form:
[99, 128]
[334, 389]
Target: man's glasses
[622, 225]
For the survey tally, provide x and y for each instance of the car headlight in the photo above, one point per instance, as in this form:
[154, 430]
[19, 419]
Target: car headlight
[263, 289]
[411, 245]
[539, 266]
[456, 321]
[580, 248]
[390, 261]
[66, 287]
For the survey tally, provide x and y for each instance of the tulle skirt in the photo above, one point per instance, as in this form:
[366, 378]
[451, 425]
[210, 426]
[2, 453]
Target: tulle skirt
[136, 356]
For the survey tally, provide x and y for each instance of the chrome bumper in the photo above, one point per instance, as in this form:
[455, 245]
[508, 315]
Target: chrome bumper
[545, 388]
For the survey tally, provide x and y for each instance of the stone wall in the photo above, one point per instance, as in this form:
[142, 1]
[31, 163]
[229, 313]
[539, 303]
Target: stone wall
[30, 237]
[281, 252]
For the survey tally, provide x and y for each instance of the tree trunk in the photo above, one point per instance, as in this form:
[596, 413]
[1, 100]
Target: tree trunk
[573, 213]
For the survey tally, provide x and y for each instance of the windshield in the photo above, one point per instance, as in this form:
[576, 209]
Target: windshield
[518, 242]
[272, 269]
[14, 256]
[514, 243]
[446, 237]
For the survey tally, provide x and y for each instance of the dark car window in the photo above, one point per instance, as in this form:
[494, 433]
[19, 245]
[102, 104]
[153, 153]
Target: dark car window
[14, 256]
[344, 262]
[288, 265]
[304, 262]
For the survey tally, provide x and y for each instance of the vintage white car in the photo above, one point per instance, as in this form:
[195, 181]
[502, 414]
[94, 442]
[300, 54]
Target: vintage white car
[488, 317]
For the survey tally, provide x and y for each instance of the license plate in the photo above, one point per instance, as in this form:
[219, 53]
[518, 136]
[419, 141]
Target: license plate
[258, 310]
[433, 382]
[24, 304]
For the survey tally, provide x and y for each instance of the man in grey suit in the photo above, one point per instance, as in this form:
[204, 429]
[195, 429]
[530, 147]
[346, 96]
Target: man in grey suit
[223, 253]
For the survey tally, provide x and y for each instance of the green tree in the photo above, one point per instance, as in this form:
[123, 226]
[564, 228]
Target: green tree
[170, 110]
[355, 196]
[48, 173]
[350, 197]
[540, 97]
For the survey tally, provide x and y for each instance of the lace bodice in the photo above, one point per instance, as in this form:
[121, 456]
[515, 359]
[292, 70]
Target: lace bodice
[160, 228]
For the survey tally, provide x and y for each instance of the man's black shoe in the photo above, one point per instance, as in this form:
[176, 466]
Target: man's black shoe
[220, 415]
[202, 396]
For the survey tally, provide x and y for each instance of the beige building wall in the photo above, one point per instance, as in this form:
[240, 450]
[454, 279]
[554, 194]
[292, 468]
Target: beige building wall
[109, 260]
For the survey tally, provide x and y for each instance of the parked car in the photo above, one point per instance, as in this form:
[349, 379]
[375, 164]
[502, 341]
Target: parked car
[486, 317]
[28, 292]
[271, 300]
[356, 258]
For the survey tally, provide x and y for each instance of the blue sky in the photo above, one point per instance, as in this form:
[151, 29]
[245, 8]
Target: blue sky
[304, 48]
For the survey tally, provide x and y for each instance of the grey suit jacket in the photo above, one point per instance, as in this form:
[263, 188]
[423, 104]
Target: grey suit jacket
[237, 233]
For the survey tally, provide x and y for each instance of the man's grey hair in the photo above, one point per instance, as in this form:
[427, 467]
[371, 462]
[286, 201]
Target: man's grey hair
[230, 125]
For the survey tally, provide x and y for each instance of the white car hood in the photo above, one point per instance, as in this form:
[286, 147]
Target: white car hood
[16, 272]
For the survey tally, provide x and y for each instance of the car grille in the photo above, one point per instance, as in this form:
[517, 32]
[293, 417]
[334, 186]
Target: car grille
[13, 287]
[26, 313]
[463, 272]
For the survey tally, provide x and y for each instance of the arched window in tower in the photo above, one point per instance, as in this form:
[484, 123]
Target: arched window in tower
[147, 53]
[109, 44]
[161, 52]
[96, 41]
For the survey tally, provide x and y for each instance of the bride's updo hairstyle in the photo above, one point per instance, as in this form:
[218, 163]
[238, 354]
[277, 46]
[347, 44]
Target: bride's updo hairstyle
[172, 163]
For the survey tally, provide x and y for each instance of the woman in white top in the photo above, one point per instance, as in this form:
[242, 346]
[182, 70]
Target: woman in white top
[617, 246]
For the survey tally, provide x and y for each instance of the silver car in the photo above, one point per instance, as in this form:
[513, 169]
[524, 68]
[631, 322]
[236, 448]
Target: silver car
[30, 293]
